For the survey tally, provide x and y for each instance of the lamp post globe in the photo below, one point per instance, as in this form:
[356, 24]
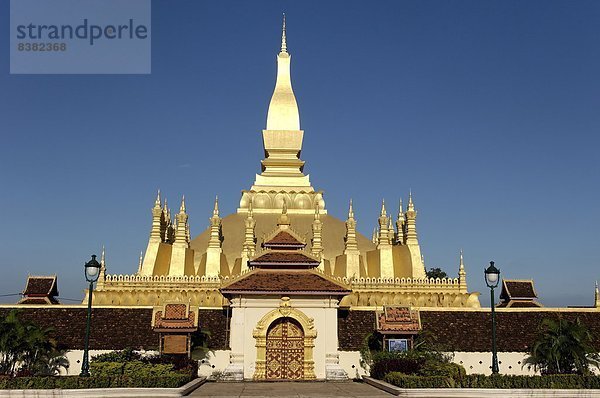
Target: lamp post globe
[91, 272]
[492, 279]
[492, 276]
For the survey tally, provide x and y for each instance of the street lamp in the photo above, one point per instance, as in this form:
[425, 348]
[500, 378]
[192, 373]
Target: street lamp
[92, 271]
[492, 278]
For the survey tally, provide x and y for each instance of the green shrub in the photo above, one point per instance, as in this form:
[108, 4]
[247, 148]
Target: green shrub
[414, 362]
[132, 362]
[447, 369]
[126, 355]
[409, 381]
[382, 367]
[105, 369]
[141, 369]
[136, 369]
[71, 382]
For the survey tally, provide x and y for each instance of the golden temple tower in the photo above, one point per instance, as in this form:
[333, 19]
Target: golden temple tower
[387, 269]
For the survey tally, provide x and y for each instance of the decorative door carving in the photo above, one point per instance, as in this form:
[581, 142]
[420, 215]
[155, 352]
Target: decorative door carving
[285, 350]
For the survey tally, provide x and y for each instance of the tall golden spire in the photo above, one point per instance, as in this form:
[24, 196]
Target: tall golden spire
[283, 110]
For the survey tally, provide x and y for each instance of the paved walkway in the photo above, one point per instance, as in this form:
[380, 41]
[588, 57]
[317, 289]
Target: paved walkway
[289, 390]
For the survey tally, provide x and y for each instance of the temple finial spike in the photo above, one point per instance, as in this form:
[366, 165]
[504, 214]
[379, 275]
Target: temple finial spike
[140, 262]
[283, 37]
[182, 207]
[383, 212]
[400, 213]
[462, 262]
[351, 210]
[216, 208]
[157, 201]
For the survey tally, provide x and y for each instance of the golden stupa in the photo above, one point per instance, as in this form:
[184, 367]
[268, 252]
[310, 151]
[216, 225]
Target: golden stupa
[386, 269]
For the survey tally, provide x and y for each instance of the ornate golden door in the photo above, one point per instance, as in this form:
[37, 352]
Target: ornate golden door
[285, 350]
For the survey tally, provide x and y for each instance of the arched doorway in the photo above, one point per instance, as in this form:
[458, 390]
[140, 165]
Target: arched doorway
[285, 350]
[269, 321]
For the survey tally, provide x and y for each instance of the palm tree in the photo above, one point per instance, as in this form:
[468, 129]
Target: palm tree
[563, 347]
[28, 349]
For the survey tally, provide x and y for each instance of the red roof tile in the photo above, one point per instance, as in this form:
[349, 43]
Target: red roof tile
[283, 239]
[185, 323]
[282, 257]
[512, 289]
[399, 320]
[262, 281]
[41, 286]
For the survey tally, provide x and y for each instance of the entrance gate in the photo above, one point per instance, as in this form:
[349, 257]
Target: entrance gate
[285, 350]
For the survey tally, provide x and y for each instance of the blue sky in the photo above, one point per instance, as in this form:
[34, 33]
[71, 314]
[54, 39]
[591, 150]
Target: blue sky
[488, 111]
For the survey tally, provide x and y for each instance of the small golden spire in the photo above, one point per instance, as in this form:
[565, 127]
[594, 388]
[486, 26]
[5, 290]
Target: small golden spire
[462, 263]
[216, 209]
[383, 212]
[411, 205]
[102, 275]
[283, 38]
[250, 212]
[350, 210]
[317, 212]
[157, 201]
[140, 262]
[400, 212]
[182, 207]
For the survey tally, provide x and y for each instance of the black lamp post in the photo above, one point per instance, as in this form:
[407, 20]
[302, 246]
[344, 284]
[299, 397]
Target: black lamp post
[92, 272]
[492, 278]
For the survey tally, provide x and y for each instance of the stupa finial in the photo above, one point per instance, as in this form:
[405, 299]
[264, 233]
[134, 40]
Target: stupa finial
[383, 212]
[400, 212]
[157, 201]
[283, 38]
[140, 262]
[182, 207]
[216, 208]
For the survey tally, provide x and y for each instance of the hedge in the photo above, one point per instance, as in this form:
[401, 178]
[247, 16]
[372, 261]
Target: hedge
[72, 382]
[495, 381]
[132, 369]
